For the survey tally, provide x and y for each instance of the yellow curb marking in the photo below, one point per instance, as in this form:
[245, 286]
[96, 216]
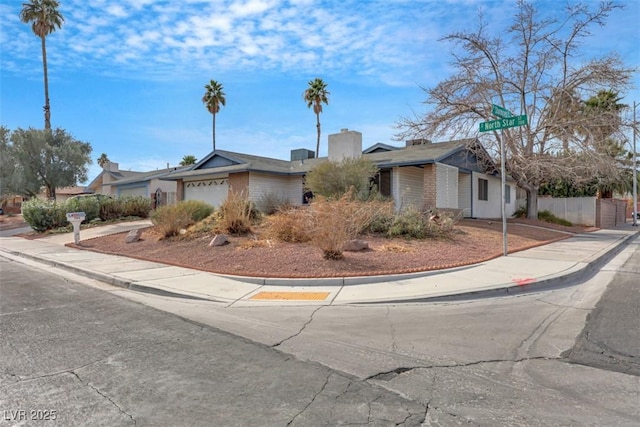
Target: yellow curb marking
[306, 296]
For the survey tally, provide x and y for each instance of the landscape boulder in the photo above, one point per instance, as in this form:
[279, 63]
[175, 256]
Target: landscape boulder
[355, 245]
[219, 240]
[133, 236]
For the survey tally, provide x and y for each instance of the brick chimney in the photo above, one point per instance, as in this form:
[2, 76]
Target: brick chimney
[346, 144]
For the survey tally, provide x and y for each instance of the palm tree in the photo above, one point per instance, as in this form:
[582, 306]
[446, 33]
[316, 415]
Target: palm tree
[103, 160]
[213, 98]
[188, 160]
[315, 95]
[44, 18]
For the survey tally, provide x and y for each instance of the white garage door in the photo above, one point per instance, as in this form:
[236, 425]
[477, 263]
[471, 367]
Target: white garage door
[212, 191]
[136, 191]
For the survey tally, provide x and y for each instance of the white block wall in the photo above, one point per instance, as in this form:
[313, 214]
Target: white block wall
[491, 208]
[287, 187]
[447, 193]
[407, 183]
[464, 194]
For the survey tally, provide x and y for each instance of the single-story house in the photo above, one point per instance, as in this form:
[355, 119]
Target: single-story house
[117, 183]
[102, 184]
[64, 193]
[148, 184]
[456, 175]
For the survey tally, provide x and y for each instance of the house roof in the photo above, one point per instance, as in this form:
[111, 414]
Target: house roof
[418, 154]
[384, 156]
[115, 176]
[378, 147]
[72, 191]
[148, 176]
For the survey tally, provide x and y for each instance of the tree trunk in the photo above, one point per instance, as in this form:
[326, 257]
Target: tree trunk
[318, 141]
[532, 203]
[51, 192]
[47, 107]
[214, 131]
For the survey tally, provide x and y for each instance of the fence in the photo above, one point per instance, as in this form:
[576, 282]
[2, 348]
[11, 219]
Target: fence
[610, 213]
[601, 213]
[578, 210]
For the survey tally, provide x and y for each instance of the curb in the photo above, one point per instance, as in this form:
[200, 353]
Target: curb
[557, 281]
[588, 270]
[106, 278]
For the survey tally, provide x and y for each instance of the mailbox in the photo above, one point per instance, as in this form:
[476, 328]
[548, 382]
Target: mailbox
[75, 218]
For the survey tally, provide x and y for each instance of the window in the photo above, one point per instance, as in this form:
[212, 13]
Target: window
[382, 181]
[507, 194]
[483, 189]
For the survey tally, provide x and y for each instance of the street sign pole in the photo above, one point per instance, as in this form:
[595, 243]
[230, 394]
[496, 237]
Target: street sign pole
[635, 173]
[507, 120]
[503, 181]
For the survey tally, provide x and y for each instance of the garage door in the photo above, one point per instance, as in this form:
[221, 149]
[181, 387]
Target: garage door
[135, 191]
[212, 191]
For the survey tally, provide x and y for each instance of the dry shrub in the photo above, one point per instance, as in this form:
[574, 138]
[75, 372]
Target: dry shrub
[203, 228]
[170, 219]
[291, 226]
[237, 214]
[334, 222]
[255, 243]
[395, 248]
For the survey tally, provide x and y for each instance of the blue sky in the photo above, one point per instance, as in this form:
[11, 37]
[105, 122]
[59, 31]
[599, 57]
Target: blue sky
[128, 75]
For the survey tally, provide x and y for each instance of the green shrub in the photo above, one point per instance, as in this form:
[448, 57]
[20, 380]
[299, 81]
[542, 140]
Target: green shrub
[139, 206]
[382, 221]
[170, 219]
[44, 215]
[197, 209]
[111, 209]
[410, 223]
[548, 216]
[334, 179]
[89, 205]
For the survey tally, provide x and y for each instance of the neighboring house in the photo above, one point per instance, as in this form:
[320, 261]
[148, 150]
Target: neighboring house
[103, 183]
[447, 175]
[148, 184]
[64, 193]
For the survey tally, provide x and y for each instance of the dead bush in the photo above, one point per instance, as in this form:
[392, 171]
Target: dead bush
[291, 226]
[334, 222]
[237, 214]
[255, 243]
[395, 248]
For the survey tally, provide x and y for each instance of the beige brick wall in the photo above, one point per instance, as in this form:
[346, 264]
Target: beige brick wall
[239, 182]
[429, 187]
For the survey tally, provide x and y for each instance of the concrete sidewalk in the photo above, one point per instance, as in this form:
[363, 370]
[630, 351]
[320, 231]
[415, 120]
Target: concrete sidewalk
[553, 265]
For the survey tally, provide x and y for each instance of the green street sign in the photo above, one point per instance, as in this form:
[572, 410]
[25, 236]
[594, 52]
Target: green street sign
[509, 122]
[498, 111]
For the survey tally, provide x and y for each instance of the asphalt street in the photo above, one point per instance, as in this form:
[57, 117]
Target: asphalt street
[72, 355]
[102, 355]
[611, 337]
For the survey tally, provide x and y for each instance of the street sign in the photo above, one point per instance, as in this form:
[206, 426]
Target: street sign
[498, 111]
[505, 123]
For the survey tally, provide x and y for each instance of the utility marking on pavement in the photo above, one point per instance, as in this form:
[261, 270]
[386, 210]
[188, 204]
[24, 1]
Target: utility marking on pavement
[522, 282]
[295, 296]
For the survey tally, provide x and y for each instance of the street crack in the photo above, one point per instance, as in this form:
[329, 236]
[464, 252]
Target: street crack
[394, 346]
[326, 381]
[301, 329]
[104, 396]
[389, 375]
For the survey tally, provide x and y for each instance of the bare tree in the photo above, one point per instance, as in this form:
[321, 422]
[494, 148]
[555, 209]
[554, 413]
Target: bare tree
[533, 68]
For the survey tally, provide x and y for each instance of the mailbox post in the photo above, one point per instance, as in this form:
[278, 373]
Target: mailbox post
[76, 218]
